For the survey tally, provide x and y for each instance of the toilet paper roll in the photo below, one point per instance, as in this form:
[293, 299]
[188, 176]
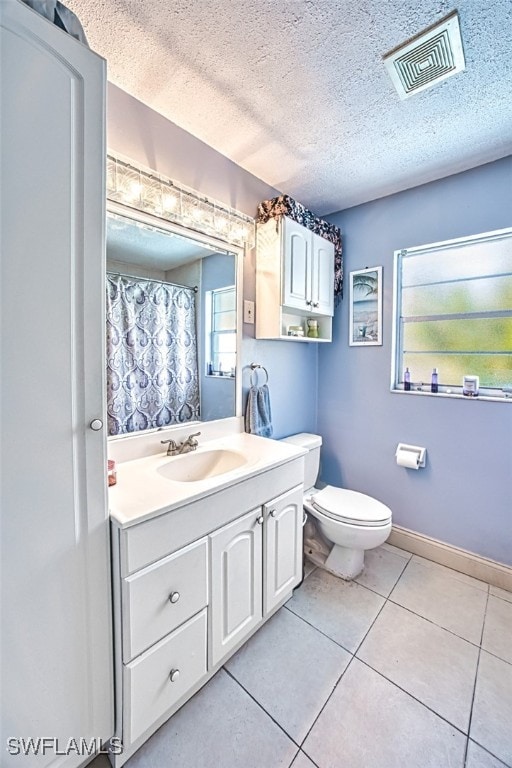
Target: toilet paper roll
[409, 459]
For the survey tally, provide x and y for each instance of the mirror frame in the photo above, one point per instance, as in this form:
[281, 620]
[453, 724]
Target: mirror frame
[143, 217]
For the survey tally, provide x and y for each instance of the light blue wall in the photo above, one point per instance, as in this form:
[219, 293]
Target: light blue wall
[464, 495]
[145, 136]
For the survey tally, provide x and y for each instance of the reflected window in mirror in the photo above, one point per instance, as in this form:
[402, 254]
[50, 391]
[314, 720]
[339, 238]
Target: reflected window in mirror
[221, 331]
[159, 331]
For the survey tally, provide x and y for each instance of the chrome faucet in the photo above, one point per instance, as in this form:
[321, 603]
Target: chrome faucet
[190, 444]
[187, 445]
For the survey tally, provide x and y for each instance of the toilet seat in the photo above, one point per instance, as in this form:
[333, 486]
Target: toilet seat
[350, 507]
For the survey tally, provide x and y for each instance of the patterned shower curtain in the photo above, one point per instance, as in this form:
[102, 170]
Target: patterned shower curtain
[152, 374]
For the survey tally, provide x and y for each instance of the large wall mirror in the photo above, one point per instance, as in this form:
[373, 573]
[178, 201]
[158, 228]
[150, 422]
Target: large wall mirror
[173, 335]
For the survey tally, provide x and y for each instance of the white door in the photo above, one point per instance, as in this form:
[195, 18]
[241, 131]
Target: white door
[56, 634]
[236, 573]
[322, 275]
[296, 265]
[283, 546]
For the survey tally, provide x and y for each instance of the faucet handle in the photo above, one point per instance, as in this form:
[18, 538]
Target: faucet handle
[195, 434]
[191, 439]
[171, 447]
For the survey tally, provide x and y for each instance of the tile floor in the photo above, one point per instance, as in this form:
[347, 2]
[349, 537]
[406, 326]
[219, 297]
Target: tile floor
[409, 667]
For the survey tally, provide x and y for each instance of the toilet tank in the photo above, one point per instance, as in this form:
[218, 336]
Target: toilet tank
[312, 459]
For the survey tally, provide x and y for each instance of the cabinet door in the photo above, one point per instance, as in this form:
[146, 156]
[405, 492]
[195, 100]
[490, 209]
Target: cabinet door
[236, 562]
[322, 275]
[56, 614]
[296, 265]
[283, 546]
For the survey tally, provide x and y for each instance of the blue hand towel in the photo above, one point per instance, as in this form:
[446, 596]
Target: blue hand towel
[258, 417]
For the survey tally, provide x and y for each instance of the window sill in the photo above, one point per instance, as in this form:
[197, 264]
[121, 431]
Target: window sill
[504, 398]
[227, 376]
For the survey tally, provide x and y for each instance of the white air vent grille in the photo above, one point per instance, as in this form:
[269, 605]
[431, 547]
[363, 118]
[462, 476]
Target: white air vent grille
[429, 58]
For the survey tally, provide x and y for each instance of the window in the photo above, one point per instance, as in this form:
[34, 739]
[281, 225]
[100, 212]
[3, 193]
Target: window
[453, 312]
[221, 338]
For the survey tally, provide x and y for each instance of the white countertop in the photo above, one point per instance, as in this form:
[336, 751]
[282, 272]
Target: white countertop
[142, 492]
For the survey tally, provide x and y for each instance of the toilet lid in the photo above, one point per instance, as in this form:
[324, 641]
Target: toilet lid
[350, 506]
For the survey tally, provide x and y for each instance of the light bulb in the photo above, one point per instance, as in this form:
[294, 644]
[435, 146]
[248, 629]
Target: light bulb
[169, 202]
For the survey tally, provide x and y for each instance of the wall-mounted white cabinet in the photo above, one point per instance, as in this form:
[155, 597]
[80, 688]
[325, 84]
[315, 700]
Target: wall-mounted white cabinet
[294, 281]
[56, 610]
[180, 615]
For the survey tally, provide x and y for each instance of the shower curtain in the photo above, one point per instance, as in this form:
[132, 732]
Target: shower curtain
[152, 373]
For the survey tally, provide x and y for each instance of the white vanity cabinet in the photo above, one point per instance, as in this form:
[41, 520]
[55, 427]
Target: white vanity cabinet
[57, 677]
[256, 561]
[180, 615]
[283, 547]
[294, 280]
[236, 568]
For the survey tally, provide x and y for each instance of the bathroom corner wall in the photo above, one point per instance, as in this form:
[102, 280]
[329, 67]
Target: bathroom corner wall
[137, 132]
[464, 495]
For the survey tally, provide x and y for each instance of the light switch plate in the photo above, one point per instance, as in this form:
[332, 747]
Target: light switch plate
[248, 311]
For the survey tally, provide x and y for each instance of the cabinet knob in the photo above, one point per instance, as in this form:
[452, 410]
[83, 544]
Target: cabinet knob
[316, 304]
[260, 520]
[174, 675]
[96, 425]
[308, 303]
[273, 512]
[174, 597]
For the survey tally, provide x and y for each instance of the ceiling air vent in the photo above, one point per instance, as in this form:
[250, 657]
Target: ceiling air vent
[428, 58]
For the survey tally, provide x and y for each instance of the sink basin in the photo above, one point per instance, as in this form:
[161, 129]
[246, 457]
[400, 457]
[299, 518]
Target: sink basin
[192, 467]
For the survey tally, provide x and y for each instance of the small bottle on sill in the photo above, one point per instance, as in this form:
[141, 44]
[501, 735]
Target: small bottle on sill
[434, 385]
[407, 380]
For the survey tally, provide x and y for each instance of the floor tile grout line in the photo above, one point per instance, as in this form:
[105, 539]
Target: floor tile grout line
[431, 621]
[371, 626]
[408, 693]
[262, 708]
[476, 679]
[421, 703]
[447, 567]
[354, 581]
[294, 758]
[495, 656]
[488, 751]
[380, 593]
[392, 551]
[336, 642]
[301, 752]
[341, 676]
[325, 704]
[498, 597]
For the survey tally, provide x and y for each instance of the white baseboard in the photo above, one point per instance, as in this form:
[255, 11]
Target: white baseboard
[497, 574]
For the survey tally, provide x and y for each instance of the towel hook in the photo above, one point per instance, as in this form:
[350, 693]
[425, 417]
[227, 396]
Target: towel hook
[254, 367]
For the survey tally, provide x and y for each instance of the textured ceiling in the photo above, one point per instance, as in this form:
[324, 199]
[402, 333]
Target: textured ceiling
[295, 91]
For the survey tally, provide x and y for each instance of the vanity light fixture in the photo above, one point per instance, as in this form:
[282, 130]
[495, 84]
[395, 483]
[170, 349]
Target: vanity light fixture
[143, 189]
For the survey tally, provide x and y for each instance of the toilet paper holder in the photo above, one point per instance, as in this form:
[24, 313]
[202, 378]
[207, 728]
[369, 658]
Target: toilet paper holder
[411, 456]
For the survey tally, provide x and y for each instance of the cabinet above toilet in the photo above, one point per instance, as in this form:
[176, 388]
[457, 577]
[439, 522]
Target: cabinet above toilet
[294, 282]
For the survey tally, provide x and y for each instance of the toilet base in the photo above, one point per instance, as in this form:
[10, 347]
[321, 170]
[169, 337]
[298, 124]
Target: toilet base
[344, 562]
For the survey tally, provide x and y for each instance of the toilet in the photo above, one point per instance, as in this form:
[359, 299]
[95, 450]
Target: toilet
[349, 522]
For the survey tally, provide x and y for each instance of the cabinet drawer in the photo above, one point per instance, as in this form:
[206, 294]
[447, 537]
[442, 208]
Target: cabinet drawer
[162, 596]
[149, 691]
